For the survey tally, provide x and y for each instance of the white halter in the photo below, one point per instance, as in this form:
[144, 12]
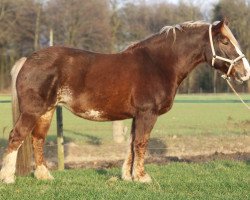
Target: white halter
[232, 62]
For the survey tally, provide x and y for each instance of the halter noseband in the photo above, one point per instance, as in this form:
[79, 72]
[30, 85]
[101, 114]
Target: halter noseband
[232, 62]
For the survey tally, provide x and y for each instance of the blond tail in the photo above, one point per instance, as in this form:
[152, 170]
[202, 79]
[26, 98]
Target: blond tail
[14, 73]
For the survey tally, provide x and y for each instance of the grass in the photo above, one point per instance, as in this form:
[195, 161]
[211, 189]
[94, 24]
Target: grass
[214, 180]
[182, 119]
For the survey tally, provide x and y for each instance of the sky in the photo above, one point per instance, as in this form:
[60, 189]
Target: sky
[206, 2]
[205, 5]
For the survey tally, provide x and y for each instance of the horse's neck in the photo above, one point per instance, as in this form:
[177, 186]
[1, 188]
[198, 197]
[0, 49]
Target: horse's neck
[177, 54]
[186, 53]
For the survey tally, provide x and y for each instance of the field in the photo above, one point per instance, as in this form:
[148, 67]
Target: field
[189, 132]
[214, 180]
[184, 119]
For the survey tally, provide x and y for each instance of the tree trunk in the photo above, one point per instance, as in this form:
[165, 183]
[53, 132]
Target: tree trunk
[215, 81]
[119, 131]
[37, 28]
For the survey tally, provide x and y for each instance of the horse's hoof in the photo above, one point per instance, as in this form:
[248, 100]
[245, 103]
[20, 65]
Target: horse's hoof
[143, 179]
[42, 173]
[127, 178]
[7, 180]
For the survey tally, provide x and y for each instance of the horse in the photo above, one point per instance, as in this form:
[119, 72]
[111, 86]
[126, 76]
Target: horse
[139, 82]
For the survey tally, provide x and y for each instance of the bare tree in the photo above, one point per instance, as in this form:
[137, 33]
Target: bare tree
[80, 23]
[118, 128]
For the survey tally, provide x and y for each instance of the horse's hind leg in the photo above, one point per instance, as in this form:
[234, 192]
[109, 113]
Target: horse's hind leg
[38, 138]
[22, 128]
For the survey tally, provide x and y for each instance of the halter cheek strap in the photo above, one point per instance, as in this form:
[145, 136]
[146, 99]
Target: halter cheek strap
[232, 62]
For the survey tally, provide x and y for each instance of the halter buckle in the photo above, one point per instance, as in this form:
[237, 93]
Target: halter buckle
[226, 77]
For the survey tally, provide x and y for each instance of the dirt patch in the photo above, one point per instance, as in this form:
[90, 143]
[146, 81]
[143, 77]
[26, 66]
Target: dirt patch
[101, 164]
[161, 150]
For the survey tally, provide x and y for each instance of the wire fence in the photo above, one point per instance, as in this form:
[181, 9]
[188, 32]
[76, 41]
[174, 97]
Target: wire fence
[161, 144]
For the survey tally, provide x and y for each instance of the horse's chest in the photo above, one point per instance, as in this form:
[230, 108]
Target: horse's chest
[165, 106]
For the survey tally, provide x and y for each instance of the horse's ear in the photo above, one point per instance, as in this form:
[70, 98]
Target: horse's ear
[225, 20]
[218, 26]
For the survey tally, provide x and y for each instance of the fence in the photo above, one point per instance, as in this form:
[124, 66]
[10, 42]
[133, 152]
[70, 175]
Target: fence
[60, 147]
[59, 117]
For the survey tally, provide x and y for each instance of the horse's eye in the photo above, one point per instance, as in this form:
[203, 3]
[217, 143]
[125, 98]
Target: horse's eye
[224, 41]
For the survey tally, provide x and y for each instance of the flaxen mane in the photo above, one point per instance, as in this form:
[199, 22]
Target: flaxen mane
[166, 30]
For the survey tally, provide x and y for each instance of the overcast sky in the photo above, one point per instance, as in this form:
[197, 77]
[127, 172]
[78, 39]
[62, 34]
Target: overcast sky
[205, 5]
[206, 2]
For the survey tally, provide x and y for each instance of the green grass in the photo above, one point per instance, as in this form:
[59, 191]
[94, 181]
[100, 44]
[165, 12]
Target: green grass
[214, 180]
[182, 119]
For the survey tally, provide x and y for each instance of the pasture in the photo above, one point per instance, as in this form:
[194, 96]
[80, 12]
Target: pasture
[214, 180]
[183, 119]
[189, 129]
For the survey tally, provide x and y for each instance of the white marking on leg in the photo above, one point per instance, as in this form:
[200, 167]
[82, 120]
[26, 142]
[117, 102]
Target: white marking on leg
[137, 168]
[46, 116]
[7, 173]
[43, 173]
[126, 168]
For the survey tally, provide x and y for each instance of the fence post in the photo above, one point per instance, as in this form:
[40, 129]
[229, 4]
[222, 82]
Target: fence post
[60, 147]
[59, 121]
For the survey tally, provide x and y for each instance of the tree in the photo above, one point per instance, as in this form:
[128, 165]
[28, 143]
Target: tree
[17, 35]
[78, 23]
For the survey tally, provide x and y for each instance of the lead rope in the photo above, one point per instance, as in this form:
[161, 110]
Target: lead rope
[231, 86]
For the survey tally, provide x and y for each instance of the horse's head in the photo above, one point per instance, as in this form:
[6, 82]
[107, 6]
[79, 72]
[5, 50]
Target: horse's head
[224, 53]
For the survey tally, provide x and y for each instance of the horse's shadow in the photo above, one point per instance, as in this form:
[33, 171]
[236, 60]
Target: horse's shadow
[89, 139]
[157, 147]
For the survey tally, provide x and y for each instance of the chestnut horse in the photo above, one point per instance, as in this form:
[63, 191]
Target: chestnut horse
[139, 83]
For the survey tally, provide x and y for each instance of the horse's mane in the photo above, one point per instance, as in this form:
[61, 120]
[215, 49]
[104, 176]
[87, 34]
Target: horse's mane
[167, 29]
[180, 27]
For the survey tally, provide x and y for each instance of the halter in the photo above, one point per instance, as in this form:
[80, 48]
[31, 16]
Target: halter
[231, 61]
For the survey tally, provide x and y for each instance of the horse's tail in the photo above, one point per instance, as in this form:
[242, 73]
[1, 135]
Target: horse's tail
[14, 73]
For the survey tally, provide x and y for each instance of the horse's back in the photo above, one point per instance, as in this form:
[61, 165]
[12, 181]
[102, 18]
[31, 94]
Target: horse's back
[84, 81]
[92, 85]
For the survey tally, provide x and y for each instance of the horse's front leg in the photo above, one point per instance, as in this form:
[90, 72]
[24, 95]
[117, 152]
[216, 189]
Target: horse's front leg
[144, 123]
[127, 167]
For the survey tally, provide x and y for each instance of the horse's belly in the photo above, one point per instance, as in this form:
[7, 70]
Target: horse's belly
[92, 114]
[91, 108]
